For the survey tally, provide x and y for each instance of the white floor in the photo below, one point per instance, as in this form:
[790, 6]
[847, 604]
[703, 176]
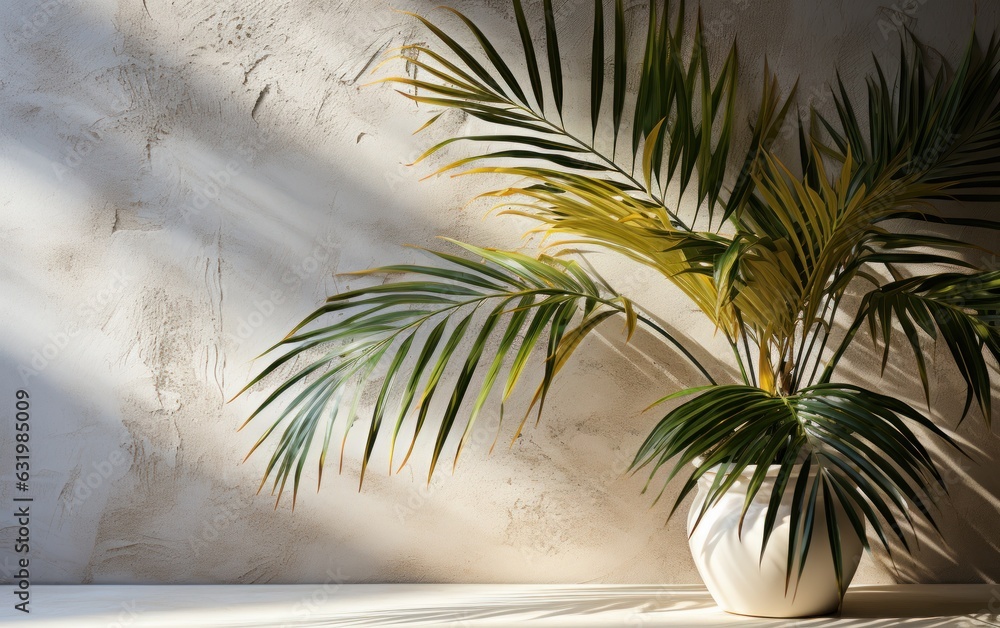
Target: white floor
[112, 606]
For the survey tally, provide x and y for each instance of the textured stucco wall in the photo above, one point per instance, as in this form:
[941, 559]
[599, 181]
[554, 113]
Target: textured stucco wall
[179, 183]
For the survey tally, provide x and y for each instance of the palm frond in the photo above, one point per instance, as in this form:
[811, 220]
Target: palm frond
[770, 119]
[575, 210]
[442, 321]
[699, 106]
[963, 310]
[940, 130]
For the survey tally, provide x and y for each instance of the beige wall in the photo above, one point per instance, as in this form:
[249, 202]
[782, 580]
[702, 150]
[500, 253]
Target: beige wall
[179, 182]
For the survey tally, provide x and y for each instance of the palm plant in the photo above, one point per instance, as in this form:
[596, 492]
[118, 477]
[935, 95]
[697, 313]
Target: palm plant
[769, 256]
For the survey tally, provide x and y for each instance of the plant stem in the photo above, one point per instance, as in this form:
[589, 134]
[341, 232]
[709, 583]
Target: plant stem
[739, 358]
[826, 338]
[746, 347]
[803, 358]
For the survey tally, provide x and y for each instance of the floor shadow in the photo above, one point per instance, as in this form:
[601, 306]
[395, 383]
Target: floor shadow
[905, 601]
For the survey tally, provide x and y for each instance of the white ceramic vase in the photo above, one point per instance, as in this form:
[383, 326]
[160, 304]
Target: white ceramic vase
[731, 567]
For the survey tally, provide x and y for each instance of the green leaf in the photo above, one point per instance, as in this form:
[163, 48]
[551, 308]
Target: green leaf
[621, 68]
[597, 67]
[960, 309]
[529, 56]
[430, 346]
[555, 64]
[495, 58]
[420, 327]
[381, 404]
[459, 51]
